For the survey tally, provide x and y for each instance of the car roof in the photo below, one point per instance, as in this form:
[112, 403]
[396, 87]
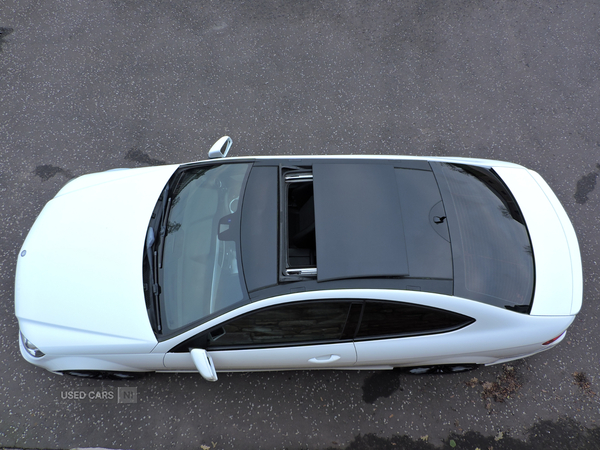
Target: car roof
[403, 223]
[372, 222]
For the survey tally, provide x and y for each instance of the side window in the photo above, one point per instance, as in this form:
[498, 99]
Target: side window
[326, 321]
[290, 323]
[384, 319]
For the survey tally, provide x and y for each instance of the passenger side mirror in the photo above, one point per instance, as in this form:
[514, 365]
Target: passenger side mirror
[220, 148]
[204, 364]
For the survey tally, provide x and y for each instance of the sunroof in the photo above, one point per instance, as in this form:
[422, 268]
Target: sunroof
[301, 246]
[358, 221]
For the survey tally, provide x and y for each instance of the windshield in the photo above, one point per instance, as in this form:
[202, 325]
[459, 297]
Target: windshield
[492, 253]
[198, 263]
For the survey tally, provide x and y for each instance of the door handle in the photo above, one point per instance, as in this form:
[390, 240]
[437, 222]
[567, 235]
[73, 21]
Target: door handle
[324, 359]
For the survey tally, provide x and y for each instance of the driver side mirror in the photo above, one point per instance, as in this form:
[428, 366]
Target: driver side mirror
[204, 364]
[220, 148]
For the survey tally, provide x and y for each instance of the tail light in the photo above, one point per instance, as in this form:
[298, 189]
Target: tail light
[555, 339]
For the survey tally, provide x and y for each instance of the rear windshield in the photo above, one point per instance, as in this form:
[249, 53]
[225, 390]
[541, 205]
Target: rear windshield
[491, 249]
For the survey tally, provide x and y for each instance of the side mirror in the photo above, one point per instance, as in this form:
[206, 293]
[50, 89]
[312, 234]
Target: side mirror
[220, 148]
[204, 364]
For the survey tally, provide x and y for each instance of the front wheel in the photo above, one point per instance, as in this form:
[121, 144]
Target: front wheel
[104, 375]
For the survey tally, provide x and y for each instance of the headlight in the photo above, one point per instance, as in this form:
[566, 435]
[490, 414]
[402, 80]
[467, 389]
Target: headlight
[30, 348]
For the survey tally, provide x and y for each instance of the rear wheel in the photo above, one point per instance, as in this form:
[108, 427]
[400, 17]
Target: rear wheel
[441, 369]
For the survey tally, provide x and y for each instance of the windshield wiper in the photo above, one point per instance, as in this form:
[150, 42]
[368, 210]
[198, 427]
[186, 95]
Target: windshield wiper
[163, 231]
[154, 286]
[155, 250]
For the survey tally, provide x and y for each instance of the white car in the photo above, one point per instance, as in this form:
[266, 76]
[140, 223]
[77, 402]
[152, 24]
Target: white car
[281, 263]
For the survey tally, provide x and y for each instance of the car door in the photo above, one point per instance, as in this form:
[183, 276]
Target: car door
[299, 335]
[406, 334]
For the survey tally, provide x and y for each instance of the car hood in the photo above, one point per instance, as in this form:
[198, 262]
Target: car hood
[79, 273]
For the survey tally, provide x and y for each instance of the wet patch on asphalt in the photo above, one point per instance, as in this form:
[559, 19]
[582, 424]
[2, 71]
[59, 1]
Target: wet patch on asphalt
[4, 31]
[47, 171]
[373, 442]
[138, 156]
[381, 384]
[585, 185]
[545, 435]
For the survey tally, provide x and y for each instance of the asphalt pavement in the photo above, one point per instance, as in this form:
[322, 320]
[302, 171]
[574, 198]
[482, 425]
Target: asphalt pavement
[90, 85]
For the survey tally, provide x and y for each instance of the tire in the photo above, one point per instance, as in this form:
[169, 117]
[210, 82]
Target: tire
[103, 375]
[441, 369]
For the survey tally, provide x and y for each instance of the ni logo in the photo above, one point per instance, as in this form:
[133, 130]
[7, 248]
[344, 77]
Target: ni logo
[127, 395]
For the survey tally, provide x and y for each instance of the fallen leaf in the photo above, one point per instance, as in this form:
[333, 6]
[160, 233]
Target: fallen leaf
[488, 385]
[472, 382]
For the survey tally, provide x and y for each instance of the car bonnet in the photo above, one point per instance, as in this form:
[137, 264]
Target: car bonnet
[79, 272]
